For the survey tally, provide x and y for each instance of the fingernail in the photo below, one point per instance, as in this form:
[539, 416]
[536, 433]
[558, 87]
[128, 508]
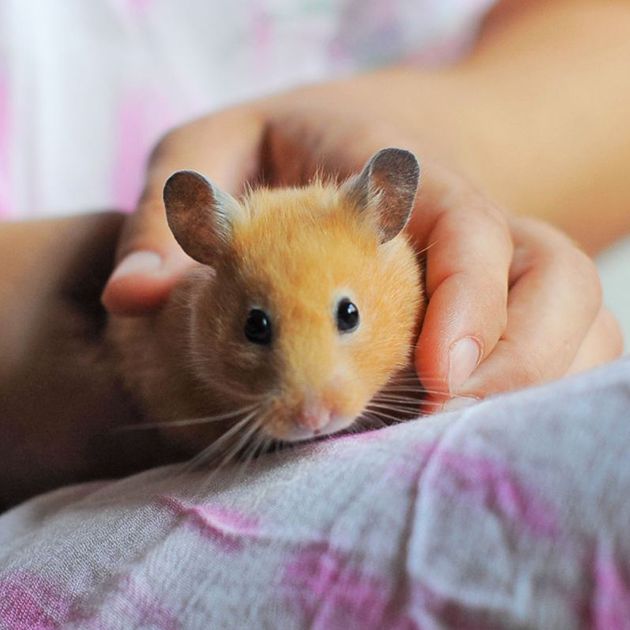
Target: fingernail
[138, 262]
[459, 402]
[463, 359]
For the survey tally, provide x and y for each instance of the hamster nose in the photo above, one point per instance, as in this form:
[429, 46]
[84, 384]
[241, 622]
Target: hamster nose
[314, 417]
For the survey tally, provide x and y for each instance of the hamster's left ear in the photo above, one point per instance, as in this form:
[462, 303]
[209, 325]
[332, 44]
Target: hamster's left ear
[386, 189]
[200, 215]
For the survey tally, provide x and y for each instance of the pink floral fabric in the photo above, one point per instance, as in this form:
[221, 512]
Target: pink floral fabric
[509, 514]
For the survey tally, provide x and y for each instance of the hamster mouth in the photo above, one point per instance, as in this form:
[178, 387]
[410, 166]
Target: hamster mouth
[306, 434]
[298, 433]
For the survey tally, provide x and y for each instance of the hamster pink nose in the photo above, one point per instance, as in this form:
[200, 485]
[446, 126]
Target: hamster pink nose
[314, 417]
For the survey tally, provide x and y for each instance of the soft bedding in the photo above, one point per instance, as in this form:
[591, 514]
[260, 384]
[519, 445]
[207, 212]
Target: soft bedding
[511, 513]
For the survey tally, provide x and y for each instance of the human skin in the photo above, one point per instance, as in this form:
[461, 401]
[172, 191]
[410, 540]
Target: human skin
[507, 137]
[59, 397]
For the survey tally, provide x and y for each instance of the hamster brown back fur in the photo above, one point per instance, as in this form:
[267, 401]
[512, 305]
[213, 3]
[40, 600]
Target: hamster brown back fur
[303, 304]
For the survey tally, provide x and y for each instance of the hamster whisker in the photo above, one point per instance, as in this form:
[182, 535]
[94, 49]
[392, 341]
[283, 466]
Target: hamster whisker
[414, 381]
[231, 454]
[389, 407]
[211, 455]
[411, 401]
[411, 393]
[414, 376]
[428, 247]
[259, 444]
[386, 419]
[402, 400]
[356, 427]
[213, 388]
[371, 420]
[212, 448]
[250, 451]
[235, 443]
[436, 392]
[410, 389]
[186, 422]
[397, 384]
[223, 389]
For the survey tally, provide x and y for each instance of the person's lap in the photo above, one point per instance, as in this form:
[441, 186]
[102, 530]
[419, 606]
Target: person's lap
[510, 512]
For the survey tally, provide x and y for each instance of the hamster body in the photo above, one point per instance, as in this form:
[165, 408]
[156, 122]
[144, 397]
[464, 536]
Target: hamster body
[302, 305]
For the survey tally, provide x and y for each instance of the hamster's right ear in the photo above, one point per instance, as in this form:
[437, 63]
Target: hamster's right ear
[200, 215]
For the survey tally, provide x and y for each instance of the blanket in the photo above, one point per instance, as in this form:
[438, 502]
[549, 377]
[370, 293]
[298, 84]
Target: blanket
[512, 513]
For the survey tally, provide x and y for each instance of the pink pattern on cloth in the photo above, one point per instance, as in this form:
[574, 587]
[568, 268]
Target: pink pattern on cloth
[135, 7]
[333, 594]
[262, 35]
[143, 116]
[487, 483]
[139, 5]
[145, 609]
[451, 611]
[31, 602]
[227, 528]
[5, 206]
[610, 605]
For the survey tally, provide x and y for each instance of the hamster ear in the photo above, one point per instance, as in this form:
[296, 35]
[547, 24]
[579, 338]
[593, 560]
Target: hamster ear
[200, 215]
[386, 188]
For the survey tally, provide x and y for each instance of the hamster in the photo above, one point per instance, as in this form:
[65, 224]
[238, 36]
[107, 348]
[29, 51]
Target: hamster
[303, 304]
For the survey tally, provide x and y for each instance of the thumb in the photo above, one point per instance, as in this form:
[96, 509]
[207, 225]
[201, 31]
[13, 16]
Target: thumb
[224, 146]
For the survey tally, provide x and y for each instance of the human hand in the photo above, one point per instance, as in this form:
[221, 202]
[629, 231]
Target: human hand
[512, 302]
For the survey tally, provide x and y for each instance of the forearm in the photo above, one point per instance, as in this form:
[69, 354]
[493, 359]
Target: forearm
[537, 117]
[59, 398]
[558, 85]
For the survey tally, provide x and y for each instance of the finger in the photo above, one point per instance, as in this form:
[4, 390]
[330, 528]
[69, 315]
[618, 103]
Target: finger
[225, 148]
[603, 343]
[470, 246]
[553, 302]
[467, 264]
[304, 139]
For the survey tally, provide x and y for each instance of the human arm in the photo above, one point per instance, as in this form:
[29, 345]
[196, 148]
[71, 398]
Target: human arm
[494, 119]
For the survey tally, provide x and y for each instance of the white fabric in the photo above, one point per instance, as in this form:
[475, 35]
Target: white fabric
[87, 88]
[512, 513]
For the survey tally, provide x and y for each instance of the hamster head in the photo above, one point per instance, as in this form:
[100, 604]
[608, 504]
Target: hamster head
[311, 297]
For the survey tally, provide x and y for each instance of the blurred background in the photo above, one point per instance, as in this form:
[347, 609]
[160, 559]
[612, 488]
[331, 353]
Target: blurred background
[87, 88]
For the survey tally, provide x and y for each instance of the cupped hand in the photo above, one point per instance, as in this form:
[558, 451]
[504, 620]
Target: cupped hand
[512, 301]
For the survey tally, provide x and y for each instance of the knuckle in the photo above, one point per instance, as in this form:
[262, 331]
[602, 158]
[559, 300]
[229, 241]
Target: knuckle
[150, 206]
[164, 145]
[494, 215]
[572, 265]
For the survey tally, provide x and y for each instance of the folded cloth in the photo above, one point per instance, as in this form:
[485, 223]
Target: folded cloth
[511, 513]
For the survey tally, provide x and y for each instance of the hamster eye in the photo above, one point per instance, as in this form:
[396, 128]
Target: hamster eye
[347, 315]
[258, 327]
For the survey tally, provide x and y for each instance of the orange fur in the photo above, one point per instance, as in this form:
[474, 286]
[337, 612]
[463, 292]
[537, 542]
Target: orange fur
[294, 253]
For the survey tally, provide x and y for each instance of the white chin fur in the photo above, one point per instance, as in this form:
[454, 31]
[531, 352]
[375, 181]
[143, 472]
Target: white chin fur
[300, 434]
